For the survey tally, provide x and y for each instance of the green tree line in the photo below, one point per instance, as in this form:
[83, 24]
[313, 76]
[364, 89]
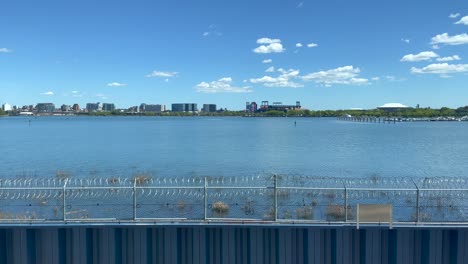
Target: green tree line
[406, 113]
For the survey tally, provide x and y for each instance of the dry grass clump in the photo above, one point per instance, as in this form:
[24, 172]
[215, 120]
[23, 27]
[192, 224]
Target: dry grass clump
[270, 215]
[61, 174]
[220, 208]
[305, 212]
[141, 179]
[337, 213]
[181, 205]
[7, 216]
[26, 216]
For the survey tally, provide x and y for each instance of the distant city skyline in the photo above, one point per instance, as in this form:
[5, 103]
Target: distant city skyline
[361, 55]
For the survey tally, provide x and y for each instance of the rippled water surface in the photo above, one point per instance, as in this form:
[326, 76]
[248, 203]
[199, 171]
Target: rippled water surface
[203, 146]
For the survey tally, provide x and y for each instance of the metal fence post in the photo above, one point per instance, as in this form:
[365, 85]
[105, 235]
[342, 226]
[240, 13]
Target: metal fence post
[417, 201]
[345, 200]
[64, 200]
[205, 198]
[275, 177]
[134, 200]
[417, 206]
[346, 203]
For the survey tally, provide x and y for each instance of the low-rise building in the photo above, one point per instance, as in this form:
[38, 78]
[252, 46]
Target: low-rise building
[27, 108]
[152, 108]
[133, 109]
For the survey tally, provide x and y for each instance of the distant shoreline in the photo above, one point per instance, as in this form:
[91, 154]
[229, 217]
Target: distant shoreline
[353, 119]
[421, 113]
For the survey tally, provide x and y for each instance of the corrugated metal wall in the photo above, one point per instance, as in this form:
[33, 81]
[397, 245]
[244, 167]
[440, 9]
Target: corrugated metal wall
[231, 244]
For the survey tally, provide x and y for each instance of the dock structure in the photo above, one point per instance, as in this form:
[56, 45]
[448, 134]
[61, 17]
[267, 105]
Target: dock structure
[370, 119]
[393, 120]
[257, 219]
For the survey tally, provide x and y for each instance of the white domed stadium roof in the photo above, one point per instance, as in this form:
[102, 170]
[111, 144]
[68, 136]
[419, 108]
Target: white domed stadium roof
[393, 105]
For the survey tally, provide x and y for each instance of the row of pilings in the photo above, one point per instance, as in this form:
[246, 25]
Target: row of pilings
[369, 119]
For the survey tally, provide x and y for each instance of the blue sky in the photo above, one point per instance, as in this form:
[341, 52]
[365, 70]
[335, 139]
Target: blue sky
[327, 54]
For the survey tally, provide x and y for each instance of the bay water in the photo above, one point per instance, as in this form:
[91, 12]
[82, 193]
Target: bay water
[229, 146]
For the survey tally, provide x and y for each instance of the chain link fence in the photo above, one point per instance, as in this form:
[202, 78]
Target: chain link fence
[271, 198]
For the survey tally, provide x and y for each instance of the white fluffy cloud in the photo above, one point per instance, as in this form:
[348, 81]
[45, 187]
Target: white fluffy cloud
[454, 15]
[463, 20]
[269, 46]
[162, 74]
[441, 68]
[222, 85]
[422, 56]
[342, 75]
[268, 41]
[267, 61]
[48, 93]
[312, 45]
[283, 80]
[298, 45]
[449, 58]
[405, 40]
[4, 50]
[116, 84]
[270, 69]
[450, 40]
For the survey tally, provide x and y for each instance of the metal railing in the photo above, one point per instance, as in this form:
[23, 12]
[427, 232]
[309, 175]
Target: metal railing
[265, 199]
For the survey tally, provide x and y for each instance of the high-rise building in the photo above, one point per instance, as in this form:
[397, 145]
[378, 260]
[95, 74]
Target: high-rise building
[209, 108]
[65, 108]
[93, 107]
[184, 107]
[108, 107]
[251, 107]
[76, 108]
[142, 107]
[45, 108]
[6, 107]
